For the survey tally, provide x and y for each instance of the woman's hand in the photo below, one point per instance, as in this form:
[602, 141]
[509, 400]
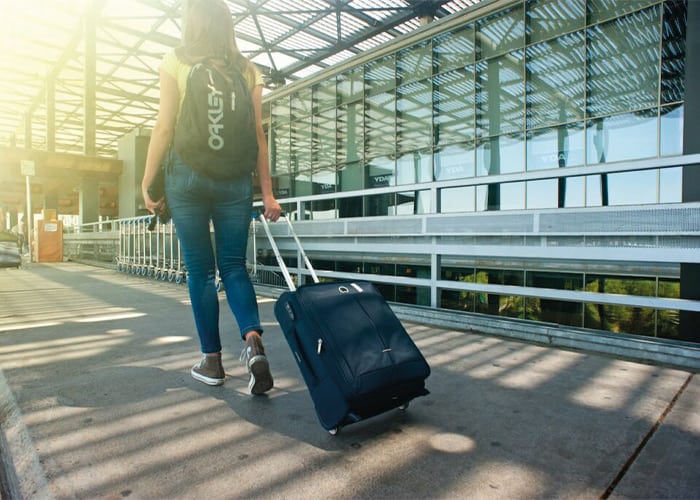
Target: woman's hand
[272, 208]
[151, 206]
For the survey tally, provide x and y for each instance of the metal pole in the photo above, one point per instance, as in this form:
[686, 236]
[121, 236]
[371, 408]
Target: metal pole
[28, 217]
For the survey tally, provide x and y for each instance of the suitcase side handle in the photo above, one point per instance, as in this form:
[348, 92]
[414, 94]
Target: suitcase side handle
[278, 256]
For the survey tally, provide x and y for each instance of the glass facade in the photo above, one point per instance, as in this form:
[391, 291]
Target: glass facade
[503, 102]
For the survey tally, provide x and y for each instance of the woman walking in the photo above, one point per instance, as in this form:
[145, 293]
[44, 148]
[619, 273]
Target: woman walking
[195, 199]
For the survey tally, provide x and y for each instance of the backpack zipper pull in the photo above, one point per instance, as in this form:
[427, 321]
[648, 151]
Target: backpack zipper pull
[320, 346]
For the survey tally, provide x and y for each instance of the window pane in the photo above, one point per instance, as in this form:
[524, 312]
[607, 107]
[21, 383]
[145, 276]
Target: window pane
[324, 139]
[411, 203]
[554, 148]
[380, 172]
[673, 52]
[557, 281]
[380, 75]
[500, 33]
[351, 85]
[380, 125]
[453, 100]
[300, 150]
[672, 130]
[671, 185]
[302, 184]
[301, 103]
[280, 110]
[279, 149]
[600, 10]
[414, 63]
[459, 199]
[324, 181]
[414, 167]
[500, 155]
[500, 92]
[632, 188]
[350, 133]
[324, 94]
[554, 311]
[414, 116]
[549, 18]
[573, 190]
[542, 194]
[511, 197]
[623, 137]
[454, 162]
[555, 81]
[623, 63]
[454, 49]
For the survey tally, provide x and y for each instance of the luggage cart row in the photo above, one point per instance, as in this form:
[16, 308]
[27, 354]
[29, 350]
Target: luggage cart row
[150, 248]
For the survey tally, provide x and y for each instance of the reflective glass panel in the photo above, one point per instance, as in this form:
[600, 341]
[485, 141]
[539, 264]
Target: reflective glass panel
[414, 63]
[454, 49]
[671, 185]
[623, 63]
[560, 312]
[350, 133]
[621, 319]
[555, 81]
[324, 182]
[549, 18]
[300, 149]
[601, 10]
[302, 184]
[500, 93]
[673, 51]
[573, 191]
[459, 199]
[380, 124]
[325, 94]
[457, 300]
[301, 103]
[380, 172]
[672, 130]
[554, 148]
[630, 136]
[453, 101]
[380, 205]
[511, 196]
[669, 288]
[280, 110]
[324, 139]
[454, 162]
[380, 75]
[556, 281]
[351, 85]
[633, 188]
[500, 33]
[414, 167]
[500, 155]
[668, 323]
[411, 203]
[414, 116]
[509, 306]
[542, 194]
[279, 149]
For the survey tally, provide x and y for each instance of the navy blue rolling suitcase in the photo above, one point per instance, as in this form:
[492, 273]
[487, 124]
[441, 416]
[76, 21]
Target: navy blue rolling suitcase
[354, 354]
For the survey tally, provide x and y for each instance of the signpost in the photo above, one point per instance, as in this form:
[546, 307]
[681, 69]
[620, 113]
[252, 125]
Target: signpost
[28, 169]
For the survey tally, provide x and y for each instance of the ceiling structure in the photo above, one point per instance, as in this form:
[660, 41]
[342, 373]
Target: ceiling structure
[43, 56]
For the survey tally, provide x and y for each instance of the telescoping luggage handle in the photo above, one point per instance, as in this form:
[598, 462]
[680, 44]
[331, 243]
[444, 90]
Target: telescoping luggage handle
[280, 261]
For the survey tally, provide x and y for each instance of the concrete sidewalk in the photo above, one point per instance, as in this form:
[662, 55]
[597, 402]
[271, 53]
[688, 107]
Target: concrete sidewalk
[97, 402]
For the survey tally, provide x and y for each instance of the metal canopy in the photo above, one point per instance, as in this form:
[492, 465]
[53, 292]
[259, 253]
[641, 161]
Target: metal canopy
[43, 56]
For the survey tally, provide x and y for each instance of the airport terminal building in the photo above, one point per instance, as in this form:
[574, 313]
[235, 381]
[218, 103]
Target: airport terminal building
[523, 159]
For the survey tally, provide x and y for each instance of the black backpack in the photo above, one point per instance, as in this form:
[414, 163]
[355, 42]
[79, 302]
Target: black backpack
[215, 133]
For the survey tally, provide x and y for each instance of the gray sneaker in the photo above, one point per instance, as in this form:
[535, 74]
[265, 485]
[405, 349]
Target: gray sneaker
[209, 370]
[253, 356]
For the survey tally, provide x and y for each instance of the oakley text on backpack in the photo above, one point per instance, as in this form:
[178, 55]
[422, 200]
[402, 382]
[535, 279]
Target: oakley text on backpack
[215, 133]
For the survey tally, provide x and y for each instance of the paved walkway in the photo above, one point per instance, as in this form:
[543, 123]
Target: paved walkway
[97, 402]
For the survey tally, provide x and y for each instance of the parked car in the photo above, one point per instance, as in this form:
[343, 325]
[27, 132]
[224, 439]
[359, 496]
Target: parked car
[10, 255]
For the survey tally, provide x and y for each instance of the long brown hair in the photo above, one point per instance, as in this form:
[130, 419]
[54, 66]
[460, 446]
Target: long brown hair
[209, 34]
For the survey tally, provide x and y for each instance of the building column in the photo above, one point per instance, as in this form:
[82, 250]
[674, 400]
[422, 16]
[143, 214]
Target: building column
[690, 272]
[89, 98]
[89, 201]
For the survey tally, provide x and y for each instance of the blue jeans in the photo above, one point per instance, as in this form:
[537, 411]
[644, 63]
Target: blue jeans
[194, 200]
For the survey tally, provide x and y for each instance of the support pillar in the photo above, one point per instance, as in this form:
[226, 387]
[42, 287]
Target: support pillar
[690, 272]
[89, 201]
[89, 125]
